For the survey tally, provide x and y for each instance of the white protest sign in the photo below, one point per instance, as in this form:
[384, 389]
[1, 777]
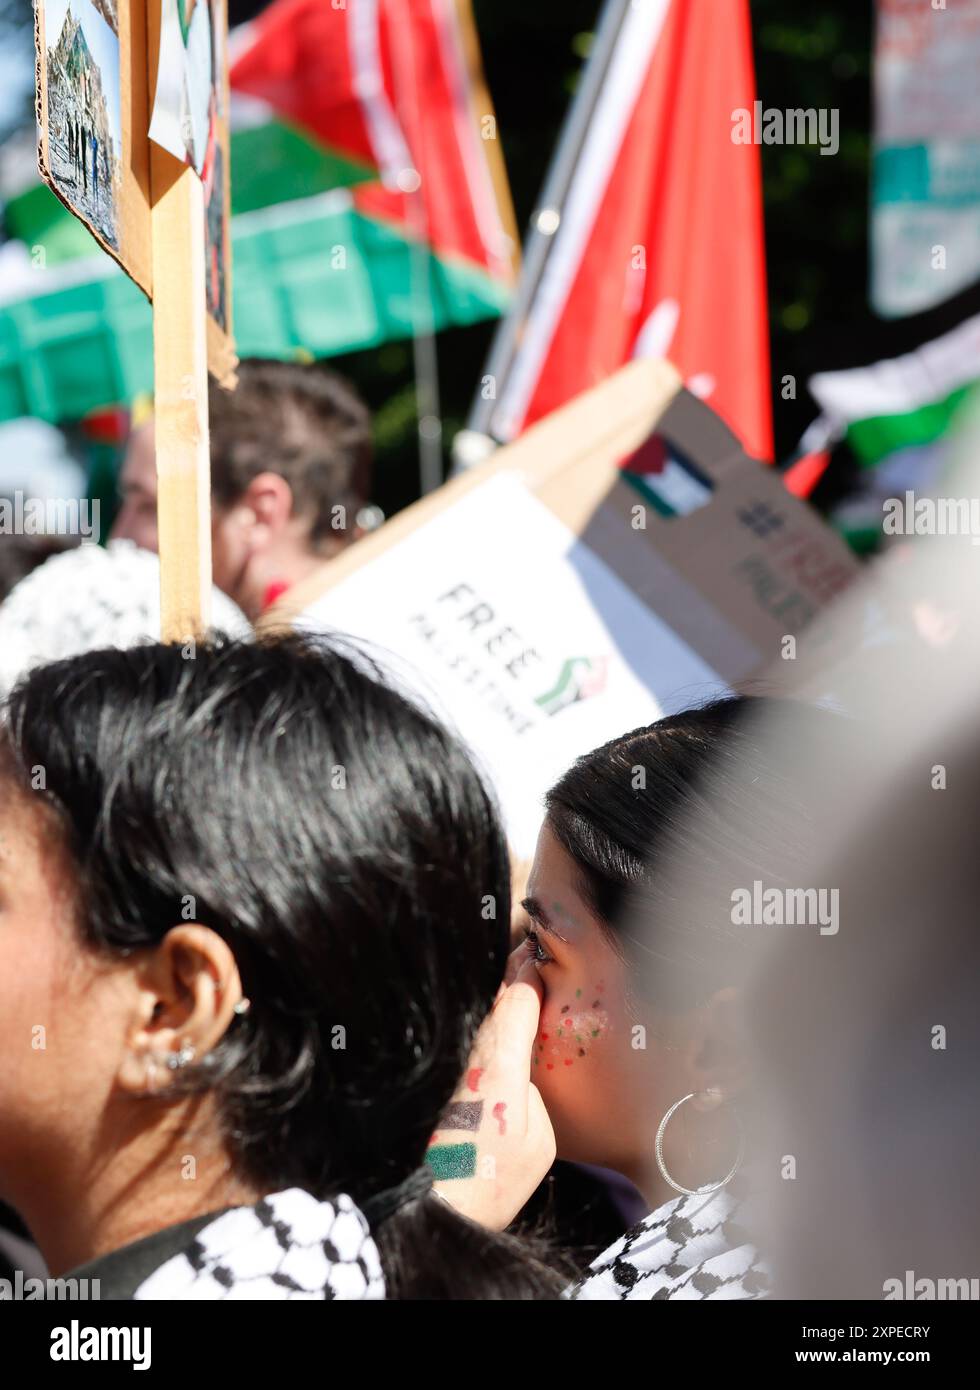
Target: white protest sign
[495, 610]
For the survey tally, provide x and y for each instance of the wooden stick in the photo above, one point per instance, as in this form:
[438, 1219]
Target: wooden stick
[180, 375]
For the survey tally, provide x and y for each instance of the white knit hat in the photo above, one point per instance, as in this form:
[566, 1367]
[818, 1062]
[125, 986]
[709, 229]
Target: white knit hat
[91, 597]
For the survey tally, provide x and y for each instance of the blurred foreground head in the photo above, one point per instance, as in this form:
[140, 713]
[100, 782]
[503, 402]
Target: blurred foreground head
[868, 1046]
[866, 1042]
[290, 470]
[262, 821]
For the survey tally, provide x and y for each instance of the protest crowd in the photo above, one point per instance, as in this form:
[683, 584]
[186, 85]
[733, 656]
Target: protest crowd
[558, 888]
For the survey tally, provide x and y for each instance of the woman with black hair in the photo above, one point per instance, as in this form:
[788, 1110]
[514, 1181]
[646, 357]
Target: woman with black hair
[651, 847]
[254, 906]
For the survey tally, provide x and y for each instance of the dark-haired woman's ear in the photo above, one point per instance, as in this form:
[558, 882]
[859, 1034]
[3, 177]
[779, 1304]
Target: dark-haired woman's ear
[185, 992]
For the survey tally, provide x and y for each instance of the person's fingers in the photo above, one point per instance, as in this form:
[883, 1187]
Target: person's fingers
[500, 1062]
[503, 1047]
[527, 973]
[518, 1011]
[517, 958]
[515, 1024]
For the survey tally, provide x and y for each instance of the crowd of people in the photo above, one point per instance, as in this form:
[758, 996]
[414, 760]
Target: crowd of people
[281, 1018]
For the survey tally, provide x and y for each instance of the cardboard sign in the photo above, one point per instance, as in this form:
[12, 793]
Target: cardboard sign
[161, 207]
[622, 560]
[92, 121]
[189, 120]
[100, 81]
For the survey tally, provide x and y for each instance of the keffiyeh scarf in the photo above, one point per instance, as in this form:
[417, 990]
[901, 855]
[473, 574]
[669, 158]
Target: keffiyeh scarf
[691, 1247]
[288, 1246]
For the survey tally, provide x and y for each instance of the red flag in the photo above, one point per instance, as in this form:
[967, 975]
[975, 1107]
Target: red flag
[395, 85]
[803, 475]
[659, 250]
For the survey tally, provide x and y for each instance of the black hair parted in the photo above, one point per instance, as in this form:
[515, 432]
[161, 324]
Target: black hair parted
[339, 839]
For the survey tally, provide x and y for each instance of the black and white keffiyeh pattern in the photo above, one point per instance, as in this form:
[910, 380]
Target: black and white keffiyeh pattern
[287, 1246]
[691, 1248]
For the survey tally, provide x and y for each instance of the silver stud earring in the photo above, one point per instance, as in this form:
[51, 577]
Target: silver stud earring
[181, 1058]
[243, 1006]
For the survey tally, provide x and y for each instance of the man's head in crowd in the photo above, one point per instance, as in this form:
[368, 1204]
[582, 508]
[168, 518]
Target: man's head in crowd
[290, 470]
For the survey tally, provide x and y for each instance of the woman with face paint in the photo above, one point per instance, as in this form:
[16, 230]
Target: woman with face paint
[640, 903]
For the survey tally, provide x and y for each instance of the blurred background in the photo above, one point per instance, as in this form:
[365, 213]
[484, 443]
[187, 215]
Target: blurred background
[816, 220]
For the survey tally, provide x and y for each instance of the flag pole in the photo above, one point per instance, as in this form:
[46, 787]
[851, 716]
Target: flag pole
[426, 363]
[546, 219]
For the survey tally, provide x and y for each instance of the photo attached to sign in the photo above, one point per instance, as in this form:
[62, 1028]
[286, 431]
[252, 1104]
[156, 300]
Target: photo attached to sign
[189, 121]
[214, 240]
[185, 103]
[84, 116]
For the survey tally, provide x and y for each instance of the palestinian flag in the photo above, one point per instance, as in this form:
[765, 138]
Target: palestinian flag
[656, 247]
[366, 206]
[904, 401]
[396, 101]
[897, 416]
[666, 478]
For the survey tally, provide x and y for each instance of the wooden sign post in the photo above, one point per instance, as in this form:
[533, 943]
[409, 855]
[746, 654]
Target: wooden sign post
[133, 116]
[180, 384]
